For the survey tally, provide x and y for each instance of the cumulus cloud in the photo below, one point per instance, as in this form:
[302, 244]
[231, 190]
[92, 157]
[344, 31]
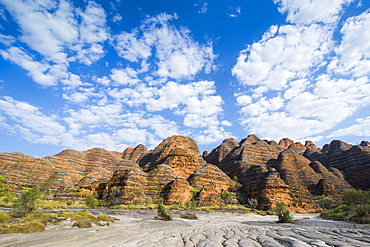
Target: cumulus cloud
[287, 54]
[62, 35]
[30, 122]
[360, 128]
[177, 54]
[41, 72]
[305, 12]
[120, 104]
[84, 127]
[353, 54]
[297, 86]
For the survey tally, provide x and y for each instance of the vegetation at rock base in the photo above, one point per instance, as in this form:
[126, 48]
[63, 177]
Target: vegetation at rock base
[163, 214]
[6, 197]
[26, 202]
[326, 202]
[356, 207]
[283, 213]
[37, 222]
[91, 201]
[189, 216]
[82, 224]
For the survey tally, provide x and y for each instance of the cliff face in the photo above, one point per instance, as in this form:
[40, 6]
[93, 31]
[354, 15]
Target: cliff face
[175, 172]
[352, 160]
[66, 169]
[272, 172]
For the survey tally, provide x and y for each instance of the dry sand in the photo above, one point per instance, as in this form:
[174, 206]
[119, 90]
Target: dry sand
[139, 228]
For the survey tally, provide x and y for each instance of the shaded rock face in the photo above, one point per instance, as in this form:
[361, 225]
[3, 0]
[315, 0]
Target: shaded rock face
[134, 154]
[273, 189]
[219, 153]
[352, 161]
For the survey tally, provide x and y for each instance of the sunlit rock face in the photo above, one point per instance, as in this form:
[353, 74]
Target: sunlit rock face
[175, 172]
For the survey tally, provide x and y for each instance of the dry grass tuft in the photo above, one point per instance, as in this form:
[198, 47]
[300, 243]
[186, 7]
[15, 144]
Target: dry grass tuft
[82, 224]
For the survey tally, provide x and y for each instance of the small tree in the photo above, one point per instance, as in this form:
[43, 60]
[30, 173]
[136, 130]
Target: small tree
[227, 197]
[355, 197]
[163, 214]
[326, 202]
[252, 203]
[26, 203]
[283, 213]
[91, 201]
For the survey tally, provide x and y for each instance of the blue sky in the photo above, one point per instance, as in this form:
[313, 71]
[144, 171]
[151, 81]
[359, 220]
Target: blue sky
[114, 74]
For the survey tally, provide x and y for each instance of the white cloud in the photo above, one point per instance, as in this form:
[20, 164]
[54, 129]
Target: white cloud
[6, 39]
[287, 55]
[310, 11]
[126, 76]
[30, 121]
[298, 87]
[52, 31]
[58, 34]
[360, 128]
[203, 9]
[177, 55]
[42, 73]
[353, 54]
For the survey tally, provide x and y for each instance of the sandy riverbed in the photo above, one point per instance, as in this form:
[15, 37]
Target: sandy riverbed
[139, 228]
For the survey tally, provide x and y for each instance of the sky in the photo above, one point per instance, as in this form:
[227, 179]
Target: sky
[117, 73]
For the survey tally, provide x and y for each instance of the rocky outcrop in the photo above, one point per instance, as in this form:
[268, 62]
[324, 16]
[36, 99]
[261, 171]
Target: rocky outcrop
[66, 169]
[178, 152]
[178, 191]
[352, 161]
[175, 172]
[271, 172]
[273, 189]
[219, 153]
[134, 154]
[208, 196]
[210, 174]
[126, 187]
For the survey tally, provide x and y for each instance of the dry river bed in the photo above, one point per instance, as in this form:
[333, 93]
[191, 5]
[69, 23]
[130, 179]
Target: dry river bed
[213, 229]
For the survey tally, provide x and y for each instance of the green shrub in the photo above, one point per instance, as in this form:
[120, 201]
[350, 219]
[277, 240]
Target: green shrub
[362, 210]
[42, 218]
[252, 203]
[26, 203]
[91, 201]
[356, 197]
[82, 224]
[283, 213]
[163, 214]
[189, 216]
[228, 197]
[325, 202]
[338, 213]
[192, 204]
